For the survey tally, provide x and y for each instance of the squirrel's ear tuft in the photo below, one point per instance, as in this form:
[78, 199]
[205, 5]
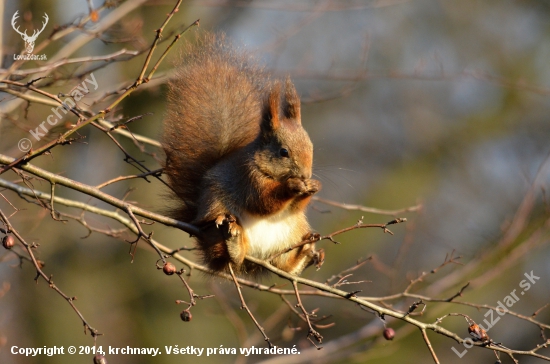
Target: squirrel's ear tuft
[271, 117]
[292, 102]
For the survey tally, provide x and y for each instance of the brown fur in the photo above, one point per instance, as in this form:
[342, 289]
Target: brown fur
[226, 126]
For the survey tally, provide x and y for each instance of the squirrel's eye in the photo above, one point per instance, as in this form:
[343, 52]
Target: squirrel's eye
[284, 152]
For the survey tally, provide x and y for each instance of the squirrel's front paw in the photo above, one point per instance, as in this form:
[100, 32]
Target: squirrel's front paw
[313, 186]
[303, 187]
[230, 221]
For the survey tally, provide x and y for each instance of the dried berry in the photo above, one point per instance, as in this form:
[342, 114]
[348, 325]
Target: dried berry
[477, 333]
[389, 333]
[186, 315]
[8, 241]
[100, 359]
[169, 269]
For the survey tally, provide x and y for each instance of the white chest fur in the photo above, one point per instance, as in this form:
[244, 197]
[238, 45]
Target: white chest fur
[268, 235]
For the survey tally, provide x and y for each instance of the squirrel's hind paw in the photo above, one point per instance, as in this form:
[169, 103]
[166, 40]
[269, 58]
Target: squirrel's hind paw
[319, 258]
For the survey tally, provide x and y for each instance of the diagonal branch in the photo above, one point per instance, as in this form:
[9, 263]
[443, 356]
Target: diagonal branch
[95, 192]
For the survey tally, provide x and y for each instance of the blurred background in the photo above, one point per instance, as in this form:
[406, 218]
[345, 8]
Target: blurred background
[407, 102]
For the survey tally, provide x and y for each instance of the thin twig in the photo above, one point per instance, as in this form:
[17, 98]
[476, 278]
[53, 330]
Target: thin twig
[372, 210]
[51, 205]
[312, 332]
[360, 225]
[429, 344]
[243, 305]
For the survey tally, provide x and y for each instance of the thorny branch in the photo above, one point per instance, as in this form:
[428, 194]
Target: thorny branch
[38, 265]
[126, 214]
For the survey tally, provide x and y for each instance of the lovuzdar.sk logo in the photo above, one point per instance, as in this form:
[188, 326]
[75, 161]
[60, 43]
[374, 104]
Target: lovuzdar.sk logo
[29, 40]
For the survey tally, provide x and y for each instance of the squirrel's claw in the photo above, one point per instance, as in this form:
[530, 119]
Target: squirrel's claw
[311, 236]
[219, 220]
[319, 258]
[222, 219]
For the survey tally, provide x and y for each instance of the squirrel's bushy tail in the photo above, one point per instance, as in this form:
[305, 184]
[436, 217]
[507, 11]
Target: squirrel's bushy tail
[214, 108]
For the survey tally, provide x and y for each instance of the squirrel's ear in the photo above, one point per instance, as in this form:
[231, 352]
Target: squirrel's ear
[271, 118]
[292, 102]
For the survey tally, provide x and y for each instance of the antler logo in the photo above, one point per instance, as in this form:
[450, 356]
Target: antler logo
[29, 40]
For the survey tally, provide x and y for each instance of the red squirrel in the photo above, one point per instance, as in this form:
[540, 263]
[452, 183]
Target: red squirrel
[238, 159]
